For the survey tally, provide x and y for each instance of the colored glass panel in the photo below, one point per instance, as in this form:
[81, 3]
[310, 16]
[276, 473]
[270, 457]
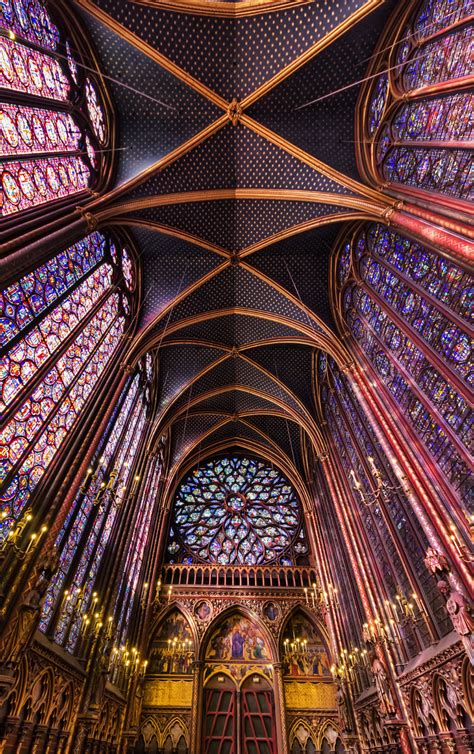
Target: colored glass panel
[442, 279]
[435, 15]
[377, 104]
[29, 130]
[28, 184]
[68, 627]
[21, 302]
[352, 434]
[95, 110]
[136, 550]
[127, 269]
[25, 129]
[25, 70]
[443, 59]
[443, 171]
[73, 529]
[451, 342]
[30, 20]
[236, 511]
[417, 290]
[449, 118]
[31, 439]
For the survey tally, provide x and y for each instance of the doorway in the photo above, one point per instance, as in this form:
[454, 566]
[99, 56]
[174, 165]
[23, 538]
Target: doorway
[239, 720]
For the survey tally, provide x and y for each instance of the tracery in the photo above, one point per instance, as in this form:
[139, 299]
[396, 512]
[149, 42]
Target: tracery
[236, 510]
[407, 308]
[60, 326]
[61, 118]
[87, 529]
[419, 124]
[392, 516]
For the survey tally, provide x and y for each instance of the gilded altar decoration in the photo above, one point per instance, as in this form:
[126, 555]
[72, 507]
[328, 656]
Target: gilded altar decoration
[238, 640]
[172, 649]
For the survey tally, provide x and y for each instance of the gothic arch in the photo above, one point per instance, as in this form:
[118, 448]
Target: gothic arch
[242, 611]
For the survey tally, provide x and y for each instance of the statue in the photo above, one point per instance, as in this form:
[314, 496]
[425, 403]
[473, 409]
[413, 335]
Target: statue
[344, 707]
[100, 672]
[382, 684]
[435, 562]
[136, 704]
[461, 616]
[23, 624]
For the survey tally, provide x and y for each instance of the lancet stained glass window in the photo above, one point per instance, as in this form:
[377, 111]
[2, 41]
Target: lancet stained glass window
[59, 327]
[408, 309]
[352, 435]
[86, 531]
[50, 141]
[237, 511]
[423, 140]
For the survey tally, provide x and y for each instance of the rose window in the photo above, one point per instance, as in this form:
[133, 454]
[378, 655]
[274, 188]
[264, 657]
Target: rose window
[236, 511]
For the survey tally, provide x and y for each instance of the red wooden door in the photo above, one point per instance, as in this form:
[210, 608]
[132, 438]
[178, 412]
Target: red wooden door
[258, 718]
[220, 718]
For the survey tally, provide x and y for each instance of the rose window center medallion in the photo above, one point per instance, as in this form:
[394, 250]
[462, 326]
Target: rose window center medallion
[235, 502]
[234, 511]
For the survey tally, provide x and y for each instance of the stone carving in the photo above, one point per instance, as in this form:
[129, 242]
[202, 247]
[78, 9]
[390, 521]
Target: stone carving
[344, 708]
[22, 626]
[435, 562]
[382, 684]
[461, 616]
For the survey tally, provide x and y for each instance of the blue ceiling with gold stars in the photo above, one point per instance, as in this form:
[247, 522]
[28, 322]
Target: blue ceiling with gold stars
[235, 195]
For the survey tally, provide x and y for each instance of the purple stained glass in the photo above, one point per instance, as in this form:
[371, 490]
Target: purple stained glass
[95, 110]
[73, 529]
[235, 511]
[127, 270]
[25, 70]
[444, 171]
[30, 183]
[21, 302]
[413, 281]
[30, 20]
[378, 102]
[29, 130]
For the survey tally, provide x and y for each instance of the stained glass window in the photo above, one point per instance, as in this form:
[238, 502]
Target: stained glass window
[408, 309]
[86, 531]
[236, 511]
[141, 523]
[38, 62]
[417, 140]
[60, 326]
[352, 435]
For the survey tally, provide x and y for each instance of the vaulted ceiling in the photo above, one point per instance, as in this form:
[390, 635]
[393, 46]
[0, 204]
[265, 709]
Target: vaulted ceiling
[235, 195]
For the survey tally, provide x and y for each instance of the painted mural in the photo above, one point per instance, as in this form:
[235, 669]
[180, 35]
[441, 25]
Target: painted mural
[303, 650]
[172, 649]
[238, 640]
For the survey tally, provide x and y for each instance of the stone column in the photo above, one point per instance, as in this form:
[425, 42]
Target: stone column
[280, 711]
[196, 711]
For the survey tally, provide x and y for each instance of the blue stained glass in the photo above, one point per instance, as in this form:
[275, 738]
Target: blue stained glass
[380, 337]
[257, 519]
[377, 104]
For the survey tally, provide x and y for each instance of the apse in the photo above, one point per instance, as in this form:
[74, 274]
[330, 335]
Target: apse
[236, 377]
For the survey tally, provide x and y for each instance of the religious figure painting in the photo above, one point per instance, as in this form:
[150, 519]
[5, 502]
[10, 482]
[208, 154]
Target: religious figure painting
[304, 652]
[172, 649]
[238, 640]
